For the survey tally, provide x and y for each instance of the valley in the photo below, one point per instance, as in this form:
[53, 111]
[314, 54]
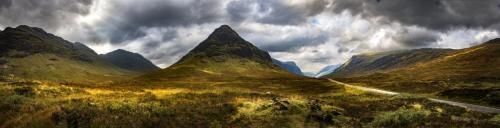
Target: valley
[226, 81]
[468, 75]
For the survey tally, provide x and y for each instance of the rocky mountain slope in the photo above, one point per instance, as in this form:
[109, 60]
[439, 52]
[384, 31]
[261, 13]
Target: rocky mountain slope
[366, 64]
[290, 66]
[326, 70]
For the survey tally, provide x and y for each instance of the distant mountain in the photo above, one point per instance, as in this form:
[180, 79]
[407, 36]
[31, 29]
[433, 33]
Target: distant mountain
[130, 61]
[224, 55]
[326, 70]
[31, 53]
[309, 74]
[290, 66]
[365, 64]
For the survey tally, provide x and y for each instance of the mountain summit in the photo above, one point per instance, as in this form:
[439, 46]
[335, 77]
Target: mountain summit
[224, 55]
[130, 61]
[225, 43]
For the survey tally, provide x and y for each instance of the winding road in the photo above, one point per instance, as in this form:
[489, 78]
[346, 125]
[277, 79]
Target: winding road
[472, 107]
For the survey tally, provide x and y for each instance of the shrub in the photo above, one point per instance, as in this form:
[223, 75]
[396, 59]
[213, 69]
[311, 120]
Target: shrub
[3, 61]
[25, 91]
[495, 119]
[148, 96]
[14, 102]
[402, 117]
[493, 97]
[78, 114]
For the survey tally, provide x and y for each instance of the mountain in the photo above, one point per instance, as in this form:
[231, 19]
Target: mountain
[470, 74]
[31, 53]
[365, 64]
[478, 63]
[290, 66]
[309, 74]
[224, 55]
[326, 70]
[24, 41]
[130, 61]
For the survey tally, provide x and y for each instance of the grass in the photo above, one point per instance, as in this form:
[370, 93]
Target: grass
[402, 117]
[63, 70]
[247, 104]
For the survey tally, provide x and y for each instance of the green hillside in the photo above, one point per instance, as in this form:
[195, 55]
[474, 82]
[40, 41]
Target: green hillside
[51, 67]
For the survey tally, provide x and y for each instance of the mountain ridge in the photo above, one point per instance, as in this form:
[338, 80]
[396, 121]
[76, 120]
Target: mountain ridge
[369, 63]
[32, 53]
[130, 61]
[290, 66]
[326, 70]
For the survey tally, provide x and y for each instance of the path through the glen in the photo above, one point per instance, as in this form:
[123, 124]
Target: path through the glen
[472, 107]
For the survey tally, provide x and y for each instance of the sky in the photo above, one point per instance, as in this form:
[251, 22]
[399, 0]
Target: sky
[313, 33]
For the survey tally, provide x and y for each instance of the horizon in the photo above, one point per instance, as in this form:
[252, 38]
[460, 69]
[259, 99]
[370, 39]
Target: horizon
[313, 34]
[249, 63]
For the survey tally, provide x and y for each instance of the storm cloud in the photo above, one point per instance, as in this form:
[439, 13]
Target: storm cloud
[275, 11]
[433, 14]
[51, 14]
[314, 33]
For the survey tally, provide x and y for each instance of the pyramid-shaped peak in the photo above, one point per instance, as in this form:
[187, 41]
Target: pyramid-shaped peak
[224, 42]
[29, 28]
[225, 34]
[223, 29]
[120, 50]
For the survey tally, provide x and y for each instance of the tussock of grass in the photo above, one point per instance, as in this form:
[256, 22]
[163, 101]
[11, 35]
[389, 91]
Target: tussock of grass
[496, 119]
[402, 117]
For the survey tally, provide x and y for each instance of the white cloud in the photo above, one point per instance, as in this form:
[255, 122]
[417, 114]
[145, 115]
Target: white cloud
[464, 37]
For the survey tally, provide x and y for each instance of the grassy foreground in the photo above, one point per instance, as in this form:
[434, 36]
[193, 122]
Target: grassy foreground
[222, 104]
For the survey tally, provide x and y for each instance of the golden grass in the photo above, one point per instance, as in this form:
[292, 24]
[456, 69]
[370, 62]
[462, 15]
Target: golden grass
[163, 93]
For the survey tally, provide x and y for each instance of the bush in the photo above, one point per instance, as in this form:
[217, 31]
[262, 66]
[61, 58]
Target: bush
[3, 61]
[78, 114]
[25, 91]
[14, 102]
[402, 117]
[496, 119]
[493, 97]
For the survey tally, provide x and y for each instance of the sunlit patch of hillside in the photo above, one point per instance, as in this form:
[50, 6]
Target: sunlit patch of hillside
[50, 67]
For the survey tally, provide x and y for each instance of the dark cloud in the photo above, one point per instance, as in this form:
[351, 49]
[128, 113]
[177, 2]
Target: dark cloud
[416, 39]
[49, 14]
[294, 43]
[131, 20]
[274, 11]
[5, 3]
[434, 14]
